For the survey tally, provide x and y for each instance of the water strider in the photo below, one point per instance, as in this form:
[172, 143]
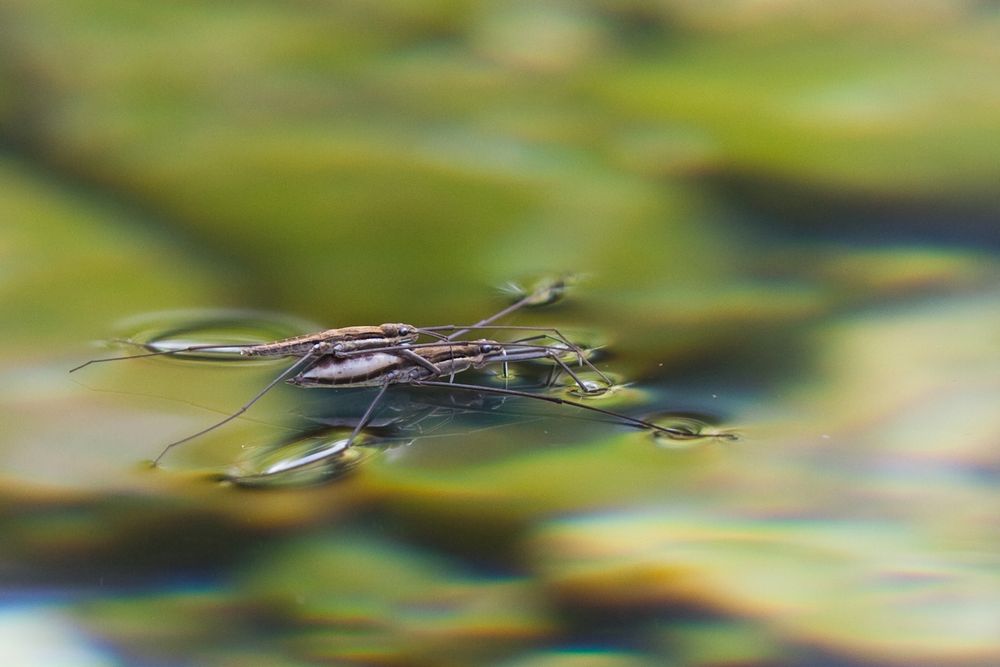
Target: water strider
[330, 341]
[401, 364]
[350, 339]
[383, 369]
[427, 365]
[394, 338]
[391, 354]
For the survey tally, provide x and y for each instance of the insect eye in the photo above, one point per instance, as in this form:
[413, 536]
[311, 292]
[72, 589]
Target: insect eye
[405, 329]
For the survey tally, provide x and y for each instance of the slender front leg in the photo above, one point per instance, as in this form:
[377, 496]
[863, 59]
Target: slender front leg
[536, 297]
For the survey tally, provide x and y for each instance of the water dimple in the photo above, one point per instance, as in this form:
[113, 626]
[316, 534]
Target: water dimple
[208, 336]
[304, 461]
[542, 291]
[610, 390]
[590, 389]
[684, 430]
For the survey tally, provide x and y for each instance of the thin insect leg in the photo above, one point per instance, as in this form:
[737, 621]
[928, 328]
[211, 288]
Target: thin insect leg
[157, 353]
[524, 352]
[417, 359]
[400, 349]
[451, 377]
[336, 448]
[554, 372]
[506, 372]
[297, 367]
[553, 354]
[509, 352]
[624, 419]
[517, 305]
[366, 417]
[581, 357]
[465, 328]
[576, 378]
[528, 339]
[558, 336]
[492, 318]
[433, 334]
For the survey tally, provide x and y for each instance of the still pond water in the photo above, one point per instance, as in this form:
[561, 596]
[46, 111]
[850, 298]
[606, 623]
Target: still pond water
[780, 226]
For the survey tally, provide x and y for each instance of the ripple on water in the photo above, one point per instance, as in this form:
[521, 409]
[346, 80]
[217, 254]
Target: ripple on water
[219, 334]
[305, 460]
[684, 430]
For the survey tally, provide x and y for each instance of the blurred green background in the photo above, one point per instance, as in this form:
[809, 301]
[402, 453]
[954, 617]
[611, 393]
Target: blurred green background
[786, 214]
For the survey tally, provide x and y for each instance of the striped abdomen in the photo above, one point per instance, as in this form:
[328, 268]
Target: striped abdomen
[377, 368]
[345, 339]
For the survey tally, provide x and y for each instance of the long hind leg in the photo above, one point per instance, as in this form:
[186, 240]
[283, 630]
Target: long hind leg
[299, 366]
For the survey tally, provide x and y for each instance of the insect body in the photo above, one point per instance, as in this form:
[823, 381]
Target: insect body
[373, 369]
[330, 341]
[386, 366]
[336, 341]
[391, 354]
[383, 369]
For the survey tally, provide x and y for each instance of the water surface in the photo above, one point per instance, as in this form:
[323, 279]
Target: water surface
[784, 221]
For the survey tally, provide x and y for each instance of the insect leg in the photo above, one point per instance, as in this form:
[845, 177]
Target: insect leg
[624, 419]
[542, 294]
[157, 353]
[297, 367]
[420, 361]
[552, 334]
[366, 417]
[575, 349]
